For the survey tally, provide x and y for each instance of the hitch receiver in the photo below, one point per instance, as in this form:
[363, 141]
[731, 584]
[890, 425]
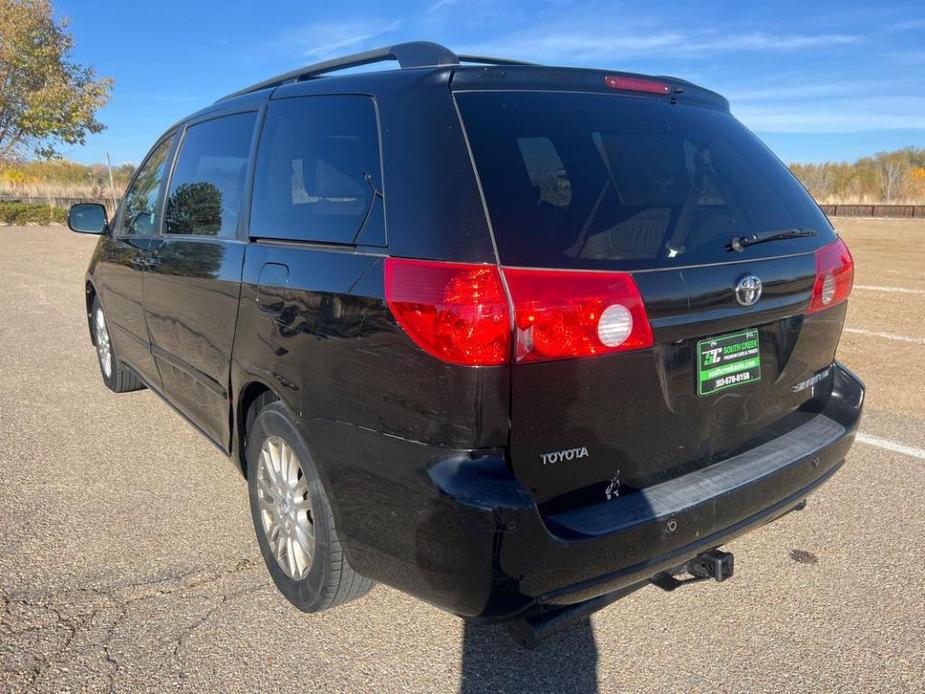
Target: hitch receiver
[712, 564]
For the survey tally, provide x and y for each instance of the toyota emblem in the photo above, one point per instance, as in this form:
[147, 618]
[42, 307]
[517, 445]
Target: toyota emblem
[748, 290]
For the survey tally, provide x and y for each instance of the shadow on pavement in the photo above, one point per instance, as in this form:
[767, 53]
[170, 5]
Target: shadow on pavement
[493, 662]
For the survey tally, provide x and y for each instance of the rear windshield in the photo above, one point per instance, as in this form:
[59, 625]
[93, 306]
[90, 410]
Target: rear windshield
[606, 181]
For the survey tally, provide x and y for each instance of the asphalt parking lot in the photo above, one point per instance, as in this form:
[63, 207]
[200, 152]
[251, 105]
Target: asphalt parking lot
[128, 560]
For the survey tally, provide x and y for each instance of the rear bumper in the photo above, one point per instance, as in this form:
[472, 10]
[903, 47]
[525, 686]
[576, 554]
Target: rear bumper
[456, 529]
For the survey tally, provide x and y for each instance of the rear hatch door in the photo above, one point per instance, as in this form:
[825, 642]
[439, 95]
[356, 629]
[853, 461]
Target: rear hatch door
[661, 188]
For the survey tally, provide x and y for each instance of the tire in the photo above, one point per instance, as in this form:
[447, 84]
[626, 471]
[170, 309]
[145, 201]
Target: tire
[326, 579]
[118, 377]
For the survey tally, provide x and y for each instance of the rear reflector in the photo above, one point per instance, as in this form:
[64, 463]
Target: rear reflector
[634, 84]
[834, 276]
[561, 314]
[454, 311]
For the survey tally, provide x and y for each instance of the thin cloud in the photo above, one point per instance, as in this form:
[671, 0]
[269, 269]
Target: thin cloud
[801, 88]
[836, 115]
[908, 25]
[439, 5]
[554, 43]
[324, 39]
[769, 42]
[907, 57]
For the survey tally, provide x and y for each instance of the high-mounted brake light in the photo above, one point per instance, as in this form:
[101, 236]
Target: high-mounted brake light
[454, 311]
[834, 276]
[460, 313]
[635, 84]
[560, 314]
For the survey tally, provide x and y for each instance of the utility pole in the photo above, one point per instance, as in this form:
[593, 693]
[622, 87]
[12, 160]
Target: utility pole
[112, 185]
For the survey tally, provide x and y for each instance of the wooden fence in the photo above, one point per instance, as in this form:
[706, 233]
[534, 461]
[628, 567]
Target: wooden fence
[917, 211]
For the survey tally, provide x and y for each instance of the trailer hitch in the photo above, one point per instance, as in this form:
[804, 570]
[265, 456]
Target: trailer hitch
[713, 564]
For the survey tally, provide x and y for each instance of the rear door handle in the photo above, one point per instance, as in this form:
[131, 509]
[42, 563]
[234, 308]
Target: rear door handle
[271, 287]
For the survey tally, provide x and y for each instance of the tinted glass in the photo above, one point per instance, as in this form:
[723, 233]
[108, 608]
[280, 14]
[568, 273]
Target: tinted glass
[599, 181]
[317, 169]
[139, 207]
[207, 188]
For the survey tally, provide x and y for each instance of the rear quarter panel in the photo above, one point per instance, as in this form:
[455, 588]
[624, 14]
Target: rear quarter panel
[333, 351]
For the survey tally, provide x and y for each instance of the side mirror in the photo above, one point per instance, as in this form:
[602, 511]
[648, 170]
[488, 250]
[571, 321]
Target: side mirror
[87, 218]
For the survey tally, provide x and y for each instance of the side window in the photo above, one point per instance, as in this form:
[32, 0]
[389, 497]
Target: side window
[318, 172]
[207, 188]
[140, 205]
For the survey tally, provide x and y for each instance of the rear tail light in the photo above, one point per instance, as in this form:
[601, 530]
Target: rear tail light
[635, 84]
[460, 313]
[453, 311]
[834, 276]
[563, 314]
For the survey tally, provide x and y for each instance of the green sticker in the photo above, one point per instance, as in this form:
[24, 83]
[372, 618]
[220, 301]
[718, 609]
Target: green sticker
[728, 361]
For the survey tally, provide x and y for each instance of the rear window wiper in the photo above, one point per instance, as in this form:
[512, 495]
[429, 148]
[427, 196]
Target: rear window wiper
[740, 243]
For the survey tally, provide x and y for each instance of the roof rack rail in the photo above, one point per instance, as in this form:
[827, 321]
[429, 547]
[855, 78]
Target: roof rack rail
[485, 60]
[408, 55]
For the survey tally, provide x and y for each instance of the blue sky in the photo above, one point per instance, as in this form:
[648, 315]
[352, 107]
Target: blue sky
[816, 80]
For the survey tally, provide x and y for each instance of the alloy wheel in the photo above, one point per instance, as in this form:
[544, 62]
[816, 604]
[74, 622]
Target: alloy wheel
[284, 500]
[103, 345]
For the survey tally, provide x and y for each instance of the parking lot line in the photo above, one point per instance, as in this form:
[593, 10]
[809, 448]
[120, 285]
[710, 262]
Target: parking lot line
[889, 445]
[879, 288]
[887, 336]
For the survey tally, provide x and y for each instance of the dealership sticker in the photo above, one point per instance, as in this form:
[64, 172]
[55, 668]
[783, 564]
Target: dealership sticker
[727, 361]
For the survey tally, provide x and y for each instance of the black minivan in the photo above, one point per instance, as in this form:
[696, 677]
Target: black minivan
[513, 339]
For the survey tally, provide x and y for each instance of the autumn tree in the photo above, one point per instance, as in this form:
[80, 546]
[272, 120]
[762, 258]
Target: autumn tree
[897, 176]
[46, 99]
[892, 169]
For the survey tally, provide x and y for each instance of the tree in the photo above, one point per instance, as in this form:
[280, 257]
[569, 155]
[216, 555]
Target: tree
[819, 179]
[892, 167]
[896, 176]
[46, 100]
[194, 208]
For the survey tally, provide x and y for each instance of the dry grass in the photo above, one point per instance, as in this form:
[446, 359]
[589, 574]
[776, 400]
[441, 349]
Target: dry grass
[44, 180]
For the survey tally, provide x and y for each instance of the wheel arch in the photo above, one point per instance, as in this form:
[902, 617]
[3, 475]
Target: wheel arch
[90, 294]
[250, 394]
